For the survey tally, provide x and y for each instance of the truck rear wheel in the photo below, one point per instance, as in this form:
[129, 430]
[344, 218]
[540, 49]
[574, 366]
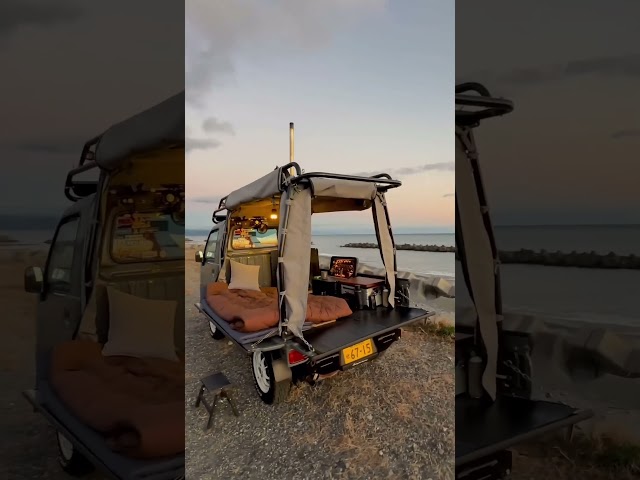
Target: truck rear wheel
[214, 332]
[271, 377]
[72, 461]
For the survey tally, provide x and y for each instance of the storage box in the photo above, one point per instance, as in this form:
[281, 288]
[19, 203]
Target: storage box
[370, 297]
[325, 287]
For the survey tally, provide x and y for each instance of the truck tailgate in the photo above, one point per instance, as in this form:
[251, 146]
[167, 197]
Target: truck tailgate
[483, 429]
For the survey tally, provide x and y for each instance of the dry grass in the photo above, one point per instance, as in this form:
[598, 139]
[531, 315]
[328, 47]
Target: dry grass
[437, 329]
[593, 457]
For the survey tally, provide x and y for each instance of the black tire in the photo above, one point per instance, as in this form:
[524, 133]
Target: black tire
[72, 461]
[271, 392]
[214, 332]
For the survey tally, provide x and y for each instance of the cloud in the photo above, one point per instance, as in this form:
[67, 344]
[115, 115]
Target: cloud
[629, 133]
[404, 171]
[624, 66]
[447, 195]
[16, 14]
[212, 124]
[192, 144]
[217, 31]
[51, 146]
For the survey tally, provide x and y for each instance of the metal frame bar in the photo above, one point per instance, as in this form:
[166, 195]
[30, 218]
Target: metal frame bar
[87, 155]
[489, 106]
[382, 178]
[70, 186]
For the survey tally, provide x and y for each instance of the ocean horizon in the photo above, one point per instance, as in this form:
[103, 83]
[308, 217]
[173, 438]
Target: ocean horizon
[565, 293]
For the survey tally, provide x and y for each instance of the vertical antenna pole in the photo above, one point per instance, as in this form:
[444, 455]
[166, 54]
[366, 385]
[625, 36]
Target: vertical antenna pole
[291, 148]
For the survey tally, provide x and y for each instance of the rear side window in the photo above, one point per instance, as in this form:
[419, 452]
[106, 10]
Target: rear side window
[146, 237]
[60, 267]
[250, 238]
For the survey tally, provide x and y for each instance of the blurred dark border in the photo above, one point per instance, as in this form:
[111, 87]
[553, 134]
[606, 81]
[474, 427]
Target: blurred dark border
[560, 179]
[71, 71]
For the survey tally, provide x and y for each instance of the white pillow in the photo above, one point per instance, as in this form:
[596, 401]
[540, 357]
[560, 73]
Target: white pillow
[244, 277]
[139, 327]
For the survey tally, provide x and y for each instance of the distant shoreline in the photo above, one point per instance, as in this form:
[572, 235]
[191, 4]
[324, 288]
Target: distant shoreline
[405, 246]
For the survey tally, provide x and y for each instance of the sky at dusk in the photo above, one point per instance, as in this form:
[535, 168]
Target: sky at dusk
[368, 84]
[67, 78]
[567, 154]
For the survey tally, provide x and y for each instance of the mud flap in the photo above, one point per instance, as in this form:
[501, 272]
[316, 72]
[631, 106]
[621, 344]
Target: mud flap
[281, 371]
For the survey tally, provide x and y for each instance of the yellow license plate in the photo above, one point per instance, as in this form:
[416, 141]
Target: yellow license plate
[356, 352]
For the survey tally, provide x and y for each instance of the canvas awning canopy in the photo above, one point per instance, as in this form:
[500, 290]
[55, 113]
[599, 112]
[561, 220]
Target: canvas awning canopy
[298, 202]
[295, 198]
[328, 195]
[160, 126]
[260, 189]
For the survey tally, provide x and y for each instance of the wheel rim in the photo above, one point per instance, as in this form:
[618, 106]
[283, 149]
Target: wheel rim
[260, 371]
[212, 328]
[66, 447]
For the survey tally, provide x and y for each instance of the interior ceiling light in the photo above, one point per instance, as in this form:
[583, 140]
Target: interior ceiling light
[274, 214]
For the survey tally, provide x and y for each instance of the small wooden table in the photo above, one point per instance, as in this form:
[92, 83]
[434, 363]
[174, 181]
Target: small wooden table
[215, 383]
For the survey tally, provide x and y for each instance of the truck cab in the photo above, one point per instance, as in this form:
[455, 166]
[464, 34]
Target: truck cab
[123, 235]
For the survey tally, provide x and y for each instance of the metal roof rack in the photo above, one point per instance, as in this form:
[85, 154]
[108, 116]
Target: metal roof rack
[75, 190]
[384, 181]
[477, 96]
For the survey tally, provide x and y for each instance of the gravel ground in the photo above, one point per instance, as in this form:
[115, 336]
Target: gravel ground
[28, 442]
[390, 418]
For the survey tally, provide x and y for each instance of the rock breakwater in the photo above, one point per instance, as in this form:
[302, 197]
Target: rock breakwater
[523, 256]
[406, 246]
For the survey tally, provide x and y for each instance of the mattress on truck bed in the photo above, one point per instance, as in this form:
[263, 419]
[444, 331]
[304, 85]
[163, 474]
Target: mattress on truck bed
[135, 404]
[254, 311]
[93, 445]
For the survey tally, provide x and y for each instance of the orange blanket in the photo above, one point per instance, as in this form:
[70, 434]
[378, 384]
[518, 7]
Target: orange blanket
[252, 311]
[137, 404]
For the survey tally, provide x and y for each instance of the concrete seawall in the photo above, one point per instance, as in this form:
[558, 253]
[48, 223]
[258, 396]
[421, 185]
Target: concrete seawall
[424, 288]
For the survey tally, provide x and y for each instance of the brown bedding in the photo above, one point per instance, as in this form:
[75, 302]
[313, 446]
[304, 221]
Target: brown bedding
[137, 404]
[252, 311]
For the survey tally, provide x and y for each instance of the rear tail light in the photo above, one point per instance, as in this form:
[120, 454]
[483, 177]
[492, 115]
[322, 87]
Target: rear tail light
[295, 357]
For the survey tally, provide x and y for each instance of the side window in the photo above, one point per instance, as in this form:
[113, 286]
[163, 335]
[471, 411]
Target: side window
[212, 244]
[59, 269]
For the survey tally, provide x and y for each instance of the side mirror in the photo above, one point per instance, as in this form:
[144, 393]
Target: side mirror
[33, 280]
[199, 256]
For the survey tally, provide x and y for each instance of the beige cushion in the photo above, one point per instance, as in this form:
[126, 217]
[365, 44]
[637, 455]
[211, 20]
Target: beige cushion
[245, 277]
[139, 327]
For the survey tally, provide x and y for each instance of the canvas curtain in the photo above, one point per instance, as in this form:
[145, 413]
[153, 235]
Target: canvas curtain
[386, 243]
[479, 258]
[295, 255]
